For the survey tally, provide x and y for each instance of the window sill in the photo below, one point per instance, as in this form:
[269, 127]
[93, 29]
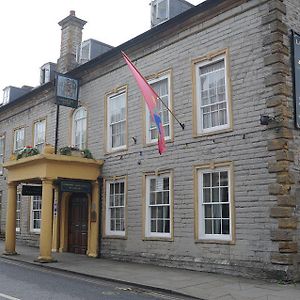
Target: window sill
[215, 132]
[220, 242]
[120, 151]
[115, 237]
[35, 232]
[159, 239]
[153, 143]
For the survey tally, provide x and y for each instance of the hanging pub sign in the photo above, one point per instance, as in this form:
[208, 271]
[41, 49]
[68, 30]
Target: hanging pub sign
[67, 91]
[296, 73]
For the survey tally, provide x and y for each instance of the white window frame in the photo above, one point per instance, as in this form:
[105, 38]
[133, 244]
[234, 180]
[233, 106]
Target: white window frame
[16, 132]
[108, 230]
[110, 147]
[2, 149]
[148, 232]
[32, 229]
[39, 139]
[149, 140]
[18, 211]
[199, 117]
[83, 134]
[6, 95]
[166, 17]
[201, 211]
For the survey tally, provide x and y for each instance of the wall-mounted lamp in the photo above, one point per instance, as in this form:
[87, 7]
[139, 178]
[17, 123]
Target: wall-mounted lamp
[265, 119]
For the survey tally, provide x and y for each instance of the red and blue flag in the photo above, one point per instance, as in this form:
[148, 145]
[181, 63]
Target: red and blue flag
[151, 99]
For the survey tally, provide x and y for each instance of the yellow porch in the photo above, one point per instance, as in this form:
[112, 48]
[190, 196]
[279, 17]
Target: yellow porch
[61, 177]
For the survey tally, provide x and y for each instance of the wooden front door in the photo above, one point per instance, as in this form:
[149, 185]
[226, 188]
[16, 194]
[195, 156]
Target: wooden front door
[78, 224]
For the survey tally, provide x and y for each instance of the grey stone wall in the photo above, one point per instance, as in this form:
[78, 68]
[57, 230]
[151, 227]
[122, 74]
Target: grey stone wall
[245, 146]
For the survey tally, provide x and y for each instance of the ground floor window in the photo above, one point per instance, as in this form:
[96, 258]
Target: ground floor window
[214, 203]
[158, 222]
[115, 207]
[36, 207]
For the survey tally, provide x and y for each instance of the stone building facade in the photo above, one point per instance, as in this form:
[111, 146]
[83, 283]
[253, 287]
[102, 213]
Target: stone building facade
[224, 197]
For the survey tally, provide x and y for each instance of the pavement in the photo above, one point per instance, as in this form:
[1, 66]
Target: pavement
[193, 284]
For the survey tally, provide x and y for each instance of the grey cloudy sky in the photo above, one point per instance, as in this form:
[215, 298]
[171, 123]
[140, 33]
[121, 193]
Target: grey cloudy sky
[30, 35]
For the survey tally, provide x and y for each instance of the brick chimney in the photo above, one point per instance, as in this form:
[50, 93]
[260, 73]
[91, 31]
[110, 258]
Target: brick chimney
[71, 37]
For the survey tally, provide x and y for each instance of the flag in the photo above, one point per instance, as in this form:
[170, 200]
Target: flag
[151, 99]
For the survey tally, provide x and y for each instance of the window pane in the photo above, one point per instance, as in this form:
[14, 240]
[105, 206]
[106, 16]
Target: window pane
[207, 195]
[215, 179]
[215, 195]
[223, 179]
[217, 226]
[207, 211]
[216, 211]
[225, 210]
[206, 180]
[225, 227]
[224, 194]
[208, 226]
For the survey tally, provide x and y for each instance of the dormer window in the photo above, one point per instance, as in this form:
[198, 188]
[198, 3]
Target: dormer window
[6, 93]
[162, 9]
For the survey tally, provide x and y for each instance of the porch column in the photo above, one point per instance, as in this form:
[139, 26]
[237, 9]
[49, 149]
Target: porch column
[46, 222]
[94, 221]
[56, 219]
[10, 228]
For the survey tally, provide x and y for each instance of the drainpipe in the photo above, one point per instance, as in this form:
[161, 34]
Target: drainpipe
[100, 182]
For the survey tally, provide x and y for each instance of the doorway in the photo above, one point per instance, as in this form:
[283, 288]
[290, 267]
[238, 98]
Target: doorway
[78, 223]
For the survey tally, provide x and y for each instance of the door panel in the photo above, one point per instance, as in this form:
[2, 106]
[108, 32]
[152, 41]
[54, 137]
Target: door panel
[78, 224]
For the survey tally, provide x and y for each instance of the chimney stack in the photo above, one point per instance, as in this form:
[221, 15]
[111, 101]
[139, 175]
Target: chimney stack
[71, 37]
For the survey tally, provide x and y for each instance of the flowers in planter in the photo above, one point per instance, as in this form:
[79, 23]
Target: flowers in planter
[27, 151]
[75, 151]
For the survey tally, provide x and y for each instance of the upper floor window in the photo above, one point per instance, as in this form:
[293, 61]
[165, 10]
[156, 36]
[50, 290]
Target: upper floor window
[212, 95]
[39, 134]
[162, 88]
[117, 121]
[79, 126]
[2, 140]
[19, 139]
[6, 94]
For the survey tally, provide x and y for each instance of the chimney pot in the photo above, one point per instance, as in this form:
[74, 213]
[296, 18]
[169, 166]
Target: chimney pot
[72, 13]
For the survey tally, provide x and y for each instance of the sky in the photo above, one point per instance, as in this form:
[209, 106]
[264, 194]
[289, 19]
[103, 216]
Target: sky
[30, 34]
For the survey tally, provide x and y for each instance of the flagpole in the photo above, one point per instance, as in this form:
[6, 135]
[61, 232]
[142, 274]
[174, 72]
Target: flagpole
[181, 124]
